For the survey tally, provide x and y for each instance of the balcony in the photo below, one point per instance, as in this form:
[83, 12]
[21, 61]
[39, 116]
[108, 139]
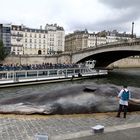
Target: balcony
[17, 35]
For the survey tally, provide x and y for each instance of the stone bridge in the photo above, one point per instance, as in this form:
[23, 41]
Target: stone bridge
[103, 54]
[107, 53]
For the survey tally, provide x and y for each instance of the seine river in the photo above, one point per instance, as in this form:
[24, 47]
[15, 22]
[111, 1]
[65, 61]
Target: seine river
[130, 77]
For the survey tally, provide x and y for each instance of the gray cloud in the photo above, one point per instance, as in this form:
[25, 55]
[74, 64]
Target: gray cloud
[125, 12]
[121, 23]
[121, 3]
[132, 8]
[94, 15]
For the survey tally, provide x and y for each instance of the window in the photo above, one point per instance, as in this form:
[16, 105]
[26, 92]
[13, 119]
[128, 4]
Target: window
[13, 49]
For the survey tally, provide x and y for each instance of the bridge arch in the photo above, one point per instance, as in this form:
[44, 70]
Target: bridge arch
[105, 55]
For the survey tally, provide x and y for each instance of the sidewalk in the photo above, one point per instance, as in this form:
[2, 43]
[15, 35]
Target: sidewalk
[25, 127]
[120, 132]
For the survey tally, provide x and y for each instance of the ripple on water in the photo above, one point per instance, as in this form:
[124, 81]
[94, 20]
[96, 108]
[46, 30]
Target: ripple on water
[131, 77]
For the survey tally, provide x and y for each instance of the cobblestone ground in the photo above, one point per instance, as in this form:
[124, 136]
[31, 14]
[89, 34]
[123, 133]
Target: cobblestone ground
[21, 127]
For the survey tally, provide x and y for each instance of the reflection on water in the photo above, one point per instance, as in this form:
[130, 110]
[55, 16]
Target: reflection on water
[131, 77]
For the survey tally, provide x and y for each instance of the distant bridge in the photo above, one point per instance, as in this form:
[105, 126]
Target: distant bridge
[107, 53]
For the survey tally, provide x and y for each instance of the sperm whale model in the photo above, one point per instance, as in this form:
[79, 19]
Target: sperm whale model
[74, 99]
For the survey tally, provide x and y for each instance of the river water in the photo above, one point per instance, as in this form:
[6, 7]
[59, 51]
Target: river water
[130, 77]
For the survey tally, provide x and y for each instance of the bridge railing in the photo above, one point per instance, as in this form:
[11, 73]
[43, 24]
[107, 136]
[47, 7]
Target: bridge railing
[22, 75]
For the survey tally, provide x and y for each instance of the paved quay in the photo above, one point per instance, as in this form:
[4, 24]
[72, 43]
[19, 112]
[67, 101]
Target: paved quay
[60, 127]
[126, 134]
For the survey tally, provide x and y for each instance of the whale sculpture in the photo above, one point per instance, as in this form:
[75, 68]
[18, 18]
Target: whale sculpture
[75, 99]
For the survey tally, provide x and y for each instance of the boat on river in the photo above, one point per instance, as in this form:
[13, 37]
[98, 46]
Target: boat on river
[30, 77]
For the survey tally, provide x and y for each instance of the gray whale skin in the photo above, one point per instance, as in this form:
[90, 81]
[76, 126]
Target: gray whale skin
[75, 99]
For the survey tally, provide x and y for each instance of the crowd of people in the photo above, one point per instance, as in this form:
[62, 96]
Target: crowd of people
[14, 67]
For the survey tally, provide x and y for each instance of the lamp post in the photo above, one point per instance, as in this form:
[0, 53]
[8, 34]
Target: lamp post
[132, 29]
[20, 57]
[96, 40]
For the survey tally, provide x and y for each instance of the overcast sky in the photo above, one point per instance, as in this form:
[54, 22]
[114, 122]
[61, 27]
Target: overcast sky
[93, 15]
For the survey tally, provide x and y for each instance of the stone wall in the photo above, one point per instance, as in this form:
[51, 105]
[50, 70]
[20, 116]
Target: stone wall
[26, 59]
[65, 58]
[128, 62]
[29, 59]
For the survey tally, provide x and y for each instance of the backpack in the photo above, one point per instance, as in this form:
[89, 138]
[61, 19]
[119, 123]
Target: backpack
[125, 95]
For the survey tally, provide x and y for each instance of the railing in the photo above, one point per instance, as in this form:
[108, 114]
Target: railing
[27, 75]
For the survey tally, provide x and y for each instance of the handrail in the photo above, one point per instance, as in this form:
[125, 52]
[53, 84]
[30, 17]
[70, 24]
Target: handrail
[44, 73]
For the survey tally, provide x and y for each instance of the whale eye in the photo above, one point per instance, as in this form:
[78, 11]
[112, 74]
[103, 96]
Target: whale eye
[90, 89]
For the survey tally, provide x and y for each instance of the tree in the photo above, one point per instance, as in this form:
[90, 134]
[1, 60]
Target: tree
[2, 51]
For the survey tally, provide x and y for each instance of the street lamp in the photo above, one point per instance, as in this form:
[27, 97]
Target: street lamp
[132, 29]
[96, 40]
[20, 53]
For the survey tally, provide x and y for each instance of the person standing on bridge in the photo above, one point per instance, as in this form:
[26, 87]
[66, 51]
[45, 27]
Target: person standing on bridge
[124, 96]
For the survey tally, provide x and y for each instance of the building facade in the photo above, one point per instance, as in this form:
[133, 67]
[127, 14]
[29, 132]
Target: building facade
[5, 36]
[76, 41]
[28, 41]
[82, 39]
[113, 36]
[34, 41]
[16, 40]
[79, 40]
[0, 31]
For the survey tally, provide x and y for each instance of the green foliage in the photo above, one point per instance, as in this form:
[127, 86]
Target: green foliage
[2, 51]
